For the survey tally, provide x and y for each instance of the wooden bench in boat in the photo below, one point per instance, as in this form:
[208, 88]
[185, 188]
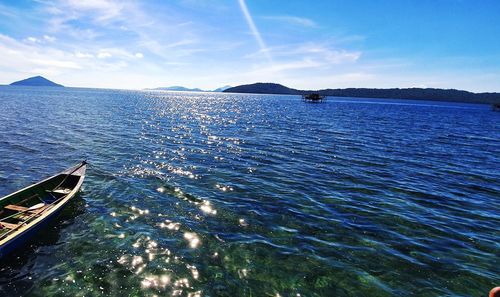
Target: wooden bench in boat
[8, 225]
[26, 209]
[25, 213]
[16, 207]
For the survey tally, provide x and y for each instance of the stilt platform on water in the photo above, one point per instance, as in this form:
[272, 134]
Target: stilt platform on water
[313, 98]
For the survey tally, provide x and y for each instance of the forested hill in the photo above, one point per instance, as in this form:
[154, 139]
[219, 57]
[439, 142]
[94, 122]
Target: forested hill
[396, 93]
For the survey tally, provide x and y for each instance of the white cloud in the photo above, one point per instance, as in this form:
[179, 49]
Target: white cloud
[20, 59]
[320, 52]
[102, 10]
[43, 39]
[49, 38]
[335, 56]
[172, 44]
[104, 55]
[181, 43]
[118, 53]
[33, 58]
[119, 23]
[33, 39]
[56, 63]
[294, 60]
[96, 38]
[287, 66]
[83, 55]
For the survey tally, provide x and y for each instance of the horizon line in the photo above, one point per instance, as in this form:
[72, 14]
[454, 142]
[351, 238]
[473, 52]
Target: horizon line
[248, 84]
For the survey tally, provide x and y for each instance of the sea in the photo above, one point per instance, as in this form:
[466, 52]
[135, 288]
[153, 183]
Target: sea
[217, 194]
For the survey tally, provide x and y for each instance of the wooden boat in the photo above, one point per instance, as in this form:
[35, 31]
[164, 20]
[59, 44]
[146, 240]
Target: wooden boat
[26, 211]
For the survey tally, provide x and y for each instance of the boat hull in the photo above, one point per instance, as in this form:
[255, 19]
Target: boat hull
[27, 231]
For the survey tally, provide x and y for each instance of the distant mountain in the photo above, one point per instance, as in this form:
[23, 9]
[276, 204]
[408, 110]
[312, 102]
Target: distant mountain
[37, 81]
[180, 89]
[221, 89]
[395, 93]
[184, 89]
[263, 88]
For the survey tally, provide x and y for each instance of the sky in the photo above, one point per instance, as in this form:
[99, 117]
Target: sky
[212, 43]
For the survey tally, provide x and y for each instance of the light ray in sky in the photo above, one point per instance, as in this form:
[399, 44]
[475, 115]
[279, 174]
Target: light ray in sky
[255, 31]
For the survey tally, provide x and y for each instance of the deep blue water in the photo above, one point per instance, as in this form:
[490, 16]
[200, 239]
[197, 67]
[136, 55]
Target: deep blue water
[207, 194]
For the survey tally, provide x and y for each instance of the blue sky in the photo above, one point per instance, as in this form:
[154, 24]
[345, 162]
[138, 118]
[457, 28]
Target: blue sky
[211, 43]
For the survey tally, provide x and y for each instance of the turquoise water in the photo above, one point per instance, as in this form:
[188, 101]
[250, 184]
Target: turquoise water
[206, 194]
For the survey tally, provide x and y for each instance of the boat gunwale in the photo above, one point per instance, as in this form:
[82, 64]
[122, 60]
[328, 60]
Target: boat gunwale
[26, 227]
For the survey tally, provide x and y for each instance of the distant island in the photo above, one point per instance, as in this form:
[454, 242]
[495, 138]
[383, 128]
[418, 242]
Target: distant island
[179, 89]
[36, 81]
[184, 89]
[395, 93]
[222, 89]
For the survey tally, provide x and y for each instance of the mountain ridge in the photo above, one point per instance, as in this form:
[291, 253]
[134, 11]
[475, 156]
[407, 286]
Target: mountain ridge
[184, 89]
[179, 89]
[433, 94]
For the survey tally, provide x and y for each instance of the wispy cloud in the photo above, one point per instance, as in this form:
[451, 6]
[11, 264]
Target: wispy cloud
[181, 43]
[123, 23]
[292, 20]
[36, 58]
[305, 56]
[326, 54]
[7, 11]
[99, 10]
[28, 58]
[111, 36]
[207, 43]
[55, 63]
[277, 68]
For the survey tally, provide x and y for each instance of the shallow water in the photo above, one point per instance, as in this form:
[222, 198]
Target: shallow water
[207, 194]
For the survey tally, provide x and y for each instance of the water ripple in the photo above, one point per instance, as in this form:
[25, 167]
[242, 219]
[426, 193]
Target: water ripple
[239, 195]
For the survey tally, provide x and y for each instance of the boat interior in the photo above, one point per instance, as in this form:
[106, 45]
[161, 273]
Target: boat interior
[22, 207]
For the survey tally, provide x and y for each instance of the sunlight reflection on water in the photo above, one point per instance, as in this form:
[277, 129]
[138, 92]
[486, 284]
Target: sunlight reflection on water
[238, 195]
